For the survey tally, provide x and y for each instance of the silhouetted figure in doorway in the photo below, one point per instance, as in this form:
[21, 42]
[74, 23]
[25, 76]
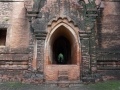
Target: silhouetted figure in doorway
[60, 58]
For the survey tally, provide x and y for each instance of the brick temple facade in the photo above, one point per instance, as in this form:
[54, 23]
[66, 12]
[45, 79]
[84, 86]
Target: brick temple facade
[34, 32]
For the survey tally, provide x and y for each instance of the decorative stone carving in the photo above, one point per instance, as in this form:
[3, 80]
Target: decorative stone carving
[31, 50]
[40, 55]
[41, 16]
[89, 13]
[28, 4]
[88, 38]
[34, 5]
[38, 4]
[39, 25]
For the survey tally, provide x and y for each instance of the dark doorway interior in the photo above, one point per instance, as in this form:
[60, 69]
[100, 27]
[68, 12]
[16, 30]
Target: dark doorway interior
[62, 45]
[3, 37]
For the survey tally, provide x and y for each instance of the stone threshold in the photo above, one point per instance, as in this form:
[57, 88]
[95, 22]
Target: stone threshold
[64, 82]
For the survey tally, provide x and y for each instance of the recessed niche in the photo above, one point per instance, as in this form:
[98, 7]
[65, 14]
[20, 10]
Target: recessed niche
[63, 41]
[3, 33]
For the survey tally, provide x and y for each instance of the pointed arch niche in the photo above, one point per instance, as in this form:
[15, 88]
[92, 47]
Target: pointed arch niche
[62, 38]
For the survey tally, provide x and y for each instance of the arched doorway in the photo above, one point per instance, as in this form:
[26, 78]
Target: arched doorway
[63, 41]
[62, 38]
[62, 46]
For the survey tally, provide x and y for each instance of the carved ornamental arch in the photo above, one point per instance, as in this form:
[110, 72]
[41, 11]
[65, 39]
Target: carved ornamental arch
[62, 27]
[78, 20]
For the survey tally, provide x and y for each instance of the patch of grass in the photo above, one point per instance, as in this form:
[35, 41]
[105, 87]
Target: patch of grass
[108, 85]
[6, 19]
[14, 84]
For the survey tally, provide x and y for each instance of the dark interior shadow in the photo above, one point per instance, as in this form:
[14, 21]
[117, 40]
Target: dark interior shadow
[62, 45]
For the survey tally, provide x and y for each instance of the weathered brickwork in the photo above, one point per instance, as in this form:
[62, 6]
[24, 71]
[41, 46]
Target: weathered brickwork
[11, 75]
[31, 33]
[5, 13]
[108, 46]
[14, 55]
[110, 26]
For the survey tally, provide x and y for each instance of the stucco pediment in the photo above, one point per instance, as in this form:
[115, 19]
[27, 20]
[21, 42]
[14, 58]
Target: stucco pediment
[46, 10]
[39, 24]
[34, 5]
[28, 4]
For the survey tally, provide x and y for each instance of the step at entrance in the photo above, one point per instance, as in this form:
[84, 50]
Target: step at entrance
[63, 78]
[62, 75]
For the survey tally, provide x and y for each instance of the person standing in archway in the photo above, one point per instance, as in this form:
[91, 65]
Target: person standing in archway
[61, 58]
